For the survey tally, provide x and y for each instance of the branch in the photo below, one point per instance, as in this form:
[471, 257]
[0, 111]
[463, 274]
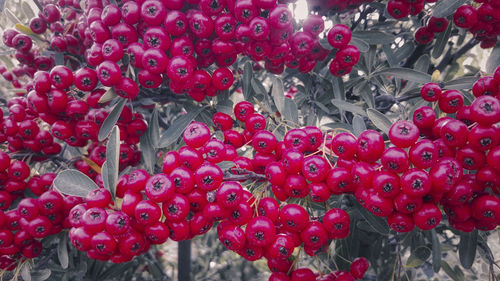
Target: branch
[449, 58]
[245, 175]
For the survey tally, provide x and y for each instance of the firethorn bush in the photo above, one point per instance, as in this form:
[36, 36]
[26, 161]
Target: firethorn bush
[283, 140]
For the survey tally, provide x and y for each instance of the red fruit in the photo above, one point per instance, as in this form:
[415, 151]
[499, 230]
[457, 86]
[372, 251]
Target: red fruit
[302, 274]
[398, 9]
[451, 101]
[431, 92]
[395, 160]
[358, 267]
[99, 198]
[454, 133]
[370, 146]
[336, 222]
[386, 184]
[424, 35]
[294, 217]
[176, 209]
[415, 183]
[339, 36]
[486, 209]
[465, 16]
[428, 217]
[208, 177]
[147, 212]
[196, 134]
[400, 222]
[403, 134]
[260, 231]
[159, 188]
[344, 145]
[485, 110]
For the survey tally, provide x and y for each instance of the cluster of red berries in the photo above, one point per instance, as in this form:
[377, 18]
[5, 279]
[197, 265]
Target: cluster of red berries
[22, 132]
[346, 56]
[481, 21]
[356, 271]
[328, 7]
[23, 227]
[425, 34]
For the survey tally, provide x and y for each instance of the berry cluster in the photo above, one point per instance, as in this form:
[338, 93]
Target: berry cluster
[32, 219]
[328, 7]
[481, 21]
[425, 34]
[347, 56]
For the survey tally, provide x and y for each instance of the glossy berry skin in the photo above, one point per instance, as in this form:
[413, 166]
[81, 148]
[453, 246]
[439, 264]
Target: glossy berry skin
[232, 237]
[403, 134]
[358, 267]
[431, 92]
[451, 101]
[293, 217]
[400, 222]
[196, 134]
[428, 217]
[159, 188]
[487, 209]
[243, 110]
[229, 194]
[260, 231]
[336, 222]
[339, 36]
[395, 160]
[147, 212]
[485, 110]
[415, 183]
[370, 146]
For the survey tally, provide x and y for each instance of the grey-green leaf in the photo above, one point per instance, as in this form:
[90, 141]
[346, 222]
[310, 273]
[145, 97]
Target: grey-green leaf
[361, 44]
[467, 248]
[441, 42]
[379, 120]
[374, 37]
[291, 112]
[112, 160]
[494, 59]
[278, 94]
[405, 73]
[40, 275]
[154, 128]
[436, 252]
[177, 128]
[358, 125]
[247, 78]
[62, 251]
[343, 105]
[461, 83]
[445, 8]
[111, 120]
[74, 182]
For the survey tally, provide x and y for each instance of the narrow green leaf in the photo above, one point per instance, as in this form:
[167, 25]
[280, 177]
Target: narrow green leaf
[378, 224]
[404, 51]
[40, 275]
[390, 56]
[322, 107]
[278, 94]
[422, 64]
[247, 78]
[28, 12]
[405, 73]
[177, 128]
[445, 8]
[441, 42]
[413, 261]
[422, 252]
[379, 120]
[111, 120]
[461, 83]
[450, 272]
[361, 44]
[343, 105]
[358, 125]
[374, 37]
[148, 153]
[25, 272]
[258, 88]
[467, 248]
[493, 60]
[154, 128]
[59, 58]
[74, 182]
[112, 161]
[436, 252]
[291, 113]
[62, 251]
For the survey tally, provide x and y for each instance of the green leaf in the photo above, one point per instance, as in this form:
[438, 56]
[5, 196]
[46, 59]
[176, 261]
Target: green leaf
[445, 8]
[28, 12]
[343, 105]
[358, 125]
[25, 272]
[374, 37]
[378, 224]
[111, 120]
[405, 73]
[247, 78]
[258, 88]
[422, 252]
[40, 275]
[493, 60]
[62, 251]
[361, 44]
[379, 120]
[148, 153]
[441, 42]
[467, 248]
[413, 261]
[389, 54]
[74, 182]
[450, 272]
[110, 167]
[291, 113]
[177, 128]
[278, 94]
[461, 83]
[436, 252]
[154, 128]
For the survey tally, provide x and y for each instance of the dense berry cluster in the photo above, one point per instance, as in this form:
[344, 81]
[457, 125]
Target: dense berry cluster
[480, 19]
[328, 7]
[24, 225]
[347, 55]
